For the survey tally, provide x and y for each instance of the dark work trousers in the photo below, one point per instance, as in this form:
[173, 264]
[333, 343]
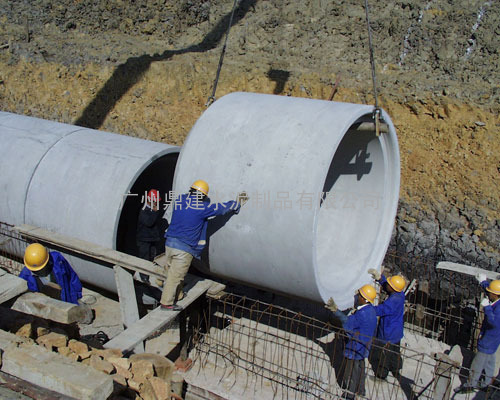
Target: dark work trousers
[352, 378]
[385, 357]
[146, 251]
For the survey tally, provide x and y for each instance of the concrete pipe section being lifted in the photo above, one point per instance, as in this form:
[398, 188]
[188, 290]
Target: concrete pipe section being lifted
[323, 192]
[79, 182]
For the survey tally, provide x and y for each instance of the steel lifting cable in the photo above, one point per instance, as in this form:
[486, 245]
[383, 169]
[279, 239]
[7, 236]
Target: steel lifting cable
[376, 111]
[211, 98]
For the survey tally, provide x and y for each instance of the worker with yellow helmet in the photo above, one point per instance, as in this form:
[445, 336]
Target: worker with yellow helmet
[385, 356]
[359, 327]
[42, 266]
[187, 233]
[489, 339]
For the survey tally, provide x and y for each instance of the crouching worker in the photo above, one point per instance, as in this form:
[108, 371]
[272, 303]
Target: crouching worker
[489, 339]
[385, 356]
[42, 267]
[186, 235]
[359, 327]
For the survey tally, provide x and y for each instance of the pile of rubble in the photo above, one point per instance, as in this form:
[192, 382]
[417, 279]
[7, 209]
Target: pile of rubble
[53, 355]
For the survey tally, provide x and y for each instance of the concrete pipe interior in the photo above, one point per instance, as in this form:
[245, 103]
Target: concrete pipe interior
[331, 183]
[160, 175]
[350, 216]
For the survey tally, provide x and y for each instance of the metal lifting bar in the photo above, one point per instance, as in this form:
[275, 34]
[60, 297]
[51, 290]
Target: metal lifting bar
[376, 111]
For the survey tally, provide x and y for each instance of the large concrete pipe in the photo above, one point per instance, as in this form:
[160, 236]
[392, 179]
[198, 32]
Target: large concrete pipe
[80, 182]
[323, 194]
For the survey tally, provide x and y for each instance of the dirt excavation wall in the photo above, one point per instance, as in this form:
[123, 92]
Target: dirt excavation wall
[146, 68]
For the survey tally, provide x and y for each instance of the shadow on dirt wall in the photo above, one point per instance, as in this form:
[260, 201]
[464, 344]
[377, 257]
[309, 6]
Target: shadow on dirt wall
[128, 74]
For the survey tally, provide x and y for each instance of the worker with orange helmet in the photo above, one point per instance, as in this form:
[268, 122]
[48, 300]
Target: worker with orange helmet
[489, 339]
[42, 266]
[385, 356]
[187, 233]
[359, 327]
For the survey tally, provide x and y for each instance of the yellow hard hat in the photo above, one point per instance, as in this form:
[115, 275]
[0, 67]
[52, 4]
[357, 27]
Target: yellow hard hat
[368, 292]
[397, 282]
[200, 185]
[494, 287]
[36, 257]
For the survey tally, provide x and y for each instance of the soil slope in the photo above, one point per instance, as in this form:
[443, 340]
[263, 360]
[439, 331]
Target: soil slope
[146, 69]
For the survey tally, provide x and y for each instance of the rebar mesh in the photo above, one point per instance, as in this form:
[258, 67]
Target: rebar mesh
[273, 352]
[12, 246]
[252, 347]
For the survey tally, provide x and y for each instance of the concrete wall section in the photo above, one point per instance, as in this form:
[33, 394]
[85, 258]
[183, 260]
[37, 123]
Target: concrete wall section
[78, 182]
[285, 152]
[21, 152]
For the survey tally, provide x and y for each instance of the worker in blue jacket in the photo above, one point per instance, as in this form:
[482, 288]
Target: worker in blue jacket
[42, 267]
[489, 339]
[187, 233]
[385, 356]
[359, 327]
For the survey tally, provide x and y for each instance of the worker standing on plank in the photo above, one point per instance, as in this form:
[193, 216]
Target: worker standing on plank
[489, 339]
[42, 267]
[385, 356]
[148, 229]
[187, 233]
[360, 327]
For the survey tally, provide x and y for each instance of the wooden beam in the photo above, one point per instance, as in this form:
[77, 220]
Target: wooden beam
[155, 320]
[128, 301]
[467, 269]
[126, 294]
[92, 250]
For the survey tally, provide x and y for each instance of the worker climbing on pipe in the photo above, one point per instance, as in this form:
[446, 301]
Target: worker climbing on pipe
[359, 327]
[489, 339]
[385, 355]
[187, 233]
[148, 228]
[42, 267]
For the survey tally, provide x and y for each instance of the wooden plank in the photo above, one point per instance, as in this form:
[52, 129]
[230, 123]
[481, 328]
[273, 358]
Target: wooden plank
[89, 249]
[155, 320]
[11, 286]
[128, 300]
[466, 269]
[126, 294]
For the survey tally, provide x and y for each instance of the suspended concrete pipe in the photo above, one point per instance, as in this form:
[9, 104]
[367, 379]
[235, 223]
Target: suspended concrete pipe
[323, 193]
[79, 182]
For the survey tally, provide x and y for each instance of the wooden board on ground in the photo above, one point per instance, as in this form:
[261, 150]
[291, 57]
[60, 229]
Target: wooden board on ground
[155, 320]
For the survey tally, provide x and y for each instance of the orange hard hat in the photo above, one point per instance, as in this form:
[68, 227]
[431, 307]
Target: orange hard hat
[368, 292]
[494, 287]
[36, 257]
[201, 186]
[397, 282]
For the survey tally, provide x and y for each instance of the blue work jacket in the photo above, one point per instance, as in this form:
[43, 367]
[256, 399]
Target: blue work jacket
[71, 287]
[489, 337]
[360, 327]
[391, 313]
[188, 228]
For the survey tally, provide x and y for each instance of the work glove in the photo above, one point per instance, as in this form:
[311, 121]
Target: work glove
[330, 304]
[480, 277]
[375, 274]
[242, 198]
[485, 302]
